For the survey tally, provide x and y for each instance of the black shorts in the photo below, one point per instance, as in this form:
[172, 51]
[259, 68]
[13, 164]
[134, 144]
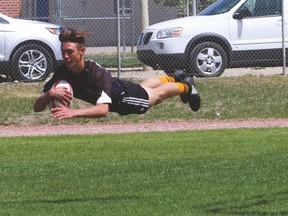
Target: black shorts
[128, 98]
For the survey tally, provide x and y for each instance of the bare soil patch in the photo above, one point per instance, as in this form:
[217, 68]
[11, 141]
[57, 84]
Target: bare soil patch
[75, 129]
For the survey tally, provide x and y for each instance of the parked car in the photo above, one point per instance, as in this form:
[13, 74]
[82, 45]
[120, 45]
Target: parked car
[228, 33]
[29, 50]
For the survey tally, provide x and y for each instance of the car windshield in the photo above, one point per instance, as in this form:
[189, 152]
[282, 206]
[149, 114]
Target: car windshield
[219, 7]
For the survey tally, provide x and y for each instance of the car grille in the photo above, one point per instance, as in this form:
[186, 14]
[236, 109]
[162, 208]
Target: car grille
[145, 38]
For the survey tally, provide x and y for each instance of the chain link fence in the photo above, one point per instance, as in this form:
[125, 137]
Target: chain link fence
[257, 25]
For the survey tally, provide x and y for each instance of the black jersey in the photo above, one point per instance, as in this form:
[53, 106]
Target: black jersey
[95, 85]
[92, 85]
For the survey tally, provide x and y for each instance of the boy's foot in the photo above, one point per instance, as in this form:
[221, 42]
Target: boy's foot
[192, 97]
[179, 75]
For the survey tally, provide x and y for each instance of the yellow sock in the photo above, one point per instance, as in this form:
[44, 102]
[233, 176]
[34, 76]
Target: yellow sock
[183, 88]
[165, 79]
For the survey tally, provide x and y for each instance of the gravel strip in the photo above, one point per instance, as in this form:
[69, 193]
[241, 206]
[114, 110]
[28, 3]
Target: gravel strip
[43, 130]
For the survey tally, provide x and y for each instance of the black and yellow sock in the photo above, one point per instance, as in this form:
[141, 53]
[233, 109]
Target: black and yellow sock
[165, 79]
[183, 88]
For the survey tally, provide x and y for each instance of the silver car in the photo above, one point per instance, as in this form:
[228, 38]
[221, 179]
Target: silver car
[29, 50]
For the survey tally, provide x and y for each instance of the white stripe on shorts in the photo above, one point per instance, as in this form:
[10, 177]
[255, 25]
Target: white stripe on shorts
[136, 101]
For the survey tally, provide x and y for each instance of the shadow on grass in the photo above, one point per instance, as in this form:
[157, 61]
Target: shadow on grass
[63, 201]
[249, 206]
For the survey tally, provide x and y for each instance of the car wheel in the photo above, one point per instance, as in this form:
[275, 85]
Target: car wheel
[208, 60]
[31, 63]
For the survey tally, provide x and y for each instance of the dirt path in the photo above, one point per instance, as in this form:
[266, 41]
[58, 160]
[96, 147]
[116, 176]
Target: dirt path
[41, 130]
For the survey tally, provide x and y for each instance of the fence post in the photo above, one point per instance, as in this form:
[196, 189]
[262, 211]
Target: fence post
[194, 7]
[145, 22]
[118, 39]
[283, 37]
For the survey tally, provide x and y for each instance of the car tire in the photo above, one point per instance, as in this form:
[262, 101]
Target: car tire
[31, 63]
[208, 59]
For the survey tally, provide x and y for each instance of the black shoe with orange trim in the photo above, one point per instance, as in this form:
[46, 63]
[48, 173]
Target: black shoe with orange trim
[178, 75]
[192, 97]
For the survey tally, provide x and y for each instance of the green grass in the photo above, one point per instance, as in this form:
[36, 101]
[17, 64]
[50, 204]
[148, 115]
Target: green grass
[215, 172]
[111, 61]
[232, 97]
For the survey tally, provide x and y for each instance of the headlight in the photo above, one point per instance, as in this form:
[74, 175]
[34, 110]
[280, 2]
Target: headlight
[56, 31]
[169, 32]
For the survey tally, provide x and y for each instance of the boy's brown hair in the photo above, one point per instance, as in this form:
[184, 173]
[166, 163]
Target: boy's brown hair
[72, 35]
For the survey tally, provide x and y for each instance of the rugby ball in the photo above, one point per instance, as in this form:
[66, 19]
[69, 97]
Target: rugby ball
[56, 102]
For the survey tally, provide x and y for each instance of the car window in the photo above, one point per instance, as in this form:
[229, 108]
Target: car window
[219, 7]
[263, 7]
[3, 21]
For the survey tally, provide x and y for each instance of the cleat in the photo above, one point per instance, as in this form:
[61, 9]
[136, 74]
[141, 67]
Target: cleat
[178, 75]
[192, 97]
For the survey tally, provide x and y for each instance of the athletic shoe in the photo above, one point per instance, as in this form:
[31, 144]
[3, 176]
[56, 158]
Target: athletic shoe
[178, 75]
[192, 97]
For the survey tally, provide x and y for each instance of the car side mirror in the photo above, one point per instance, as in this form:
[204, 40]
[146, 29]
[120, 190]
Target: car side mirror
[244, 12]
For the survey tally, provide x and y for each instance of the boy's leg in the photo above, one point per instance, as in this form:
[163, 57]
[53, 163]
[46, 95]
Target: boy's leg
[164, 91]
[154, 82]
[151, 82]
[177, 83]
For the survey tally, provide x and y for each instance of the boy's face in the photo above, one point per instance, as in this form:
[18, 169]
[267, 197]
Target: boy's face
[73, 56]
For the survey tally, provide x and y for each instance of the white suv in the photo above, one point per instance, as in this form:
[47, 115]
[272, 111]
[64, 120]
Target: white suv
[29, 50]
[228, 33]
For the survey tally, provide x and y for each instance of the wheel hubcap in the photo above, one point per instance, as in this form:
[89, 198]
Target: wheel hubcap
[209, 61]
[32, 64]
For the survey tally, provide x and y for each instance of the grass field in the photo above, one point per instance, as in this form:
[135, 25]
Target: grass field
[209, 172]
[231, 97]
[213, 172]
